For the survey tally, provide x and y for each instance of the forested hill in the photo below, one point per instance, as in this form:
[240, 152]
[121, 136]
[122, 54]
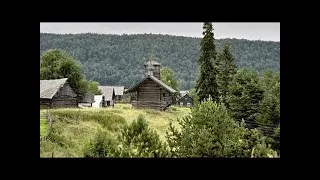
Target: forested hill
[118, 60]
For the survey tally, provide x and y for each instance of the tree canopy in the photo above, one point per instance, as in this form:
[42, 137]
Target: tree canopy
[119, 59]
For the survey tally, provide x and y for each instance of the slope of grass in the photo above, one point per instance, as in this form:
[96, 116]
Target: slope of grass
[73, 128]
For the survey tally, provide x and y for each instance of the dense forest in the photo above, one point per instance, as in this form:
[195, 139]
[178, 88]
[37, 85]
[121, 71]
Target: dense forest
[119, 59]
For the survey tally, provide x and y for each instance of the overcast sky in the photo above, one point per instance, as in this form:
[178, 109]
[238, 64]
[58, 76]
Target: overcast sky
[251, 31]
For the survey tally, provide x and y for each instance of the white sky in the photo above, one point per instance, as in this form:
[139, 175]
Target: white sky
[251, 31]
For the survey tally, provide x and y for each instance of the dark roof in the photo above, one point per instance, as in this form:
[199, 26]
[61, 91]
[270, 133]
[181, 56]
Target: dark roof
[185, 96]
[168, 88]
[48, 88]
[88, 98]
[107, 92]
[118, 90]
[152, 63]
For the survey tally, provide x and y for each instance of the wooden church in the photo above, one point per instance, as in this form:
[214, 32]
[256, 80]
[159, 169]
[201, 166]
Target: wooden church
[151, 92]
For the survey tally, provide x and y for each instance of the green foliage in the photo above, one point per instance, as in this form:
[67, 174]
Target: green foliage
[226, 70]
[207, 84]
[138, 140]
[93, 88]
[244, 96]
[118, 59]
[169, 78]
[210, 132]
[57, 64]
[270, 105]
[101, 146]
[193, 94]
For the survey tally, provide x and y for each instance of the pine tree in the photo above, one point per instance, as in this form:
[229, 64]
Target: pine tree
[206, 84]
[227, 68]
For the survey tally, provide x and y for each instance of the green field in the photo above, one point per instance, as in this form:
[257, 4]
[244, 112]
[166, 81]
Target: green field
[73, 128]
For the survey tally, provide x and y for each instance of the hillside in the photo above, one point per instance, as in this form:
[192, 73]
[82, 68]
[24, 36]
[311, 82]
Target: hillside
[118, 60]
[72, 129]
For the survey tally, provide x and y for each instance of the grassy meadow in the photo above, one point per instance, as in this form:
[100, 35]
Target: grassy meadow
[73, 128]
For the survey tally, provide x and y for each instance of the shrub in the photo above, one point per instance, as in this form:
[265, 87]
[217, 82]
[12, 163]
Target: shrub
[101, 146]
[138, 140]
[210, 132]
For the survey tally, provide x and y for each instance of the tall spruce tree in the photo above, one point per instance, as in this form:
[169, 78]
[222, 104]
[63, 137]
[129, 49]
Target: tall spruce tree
[244, 97]
[206, 84]
[227, 68]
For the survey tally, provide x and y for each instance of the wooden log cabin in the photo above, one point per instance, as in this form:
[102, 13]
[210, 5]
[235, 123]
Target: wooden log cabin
[151, 92]
[57, 93]
[185, 100]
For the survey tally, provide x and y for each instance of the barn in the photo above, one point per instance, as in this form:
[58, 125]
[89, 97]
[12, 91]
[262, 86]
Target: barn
[151, 92]
[108, 96]
[57, 93]
[185, 100]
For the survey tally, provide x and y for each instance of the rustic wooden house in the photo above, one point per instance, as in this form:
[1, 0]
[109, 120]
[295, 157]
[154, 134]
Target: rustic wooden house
[87, 100]
[108, 96]
[118, 91]
[151, 92]
[185, 100]
[57, 93]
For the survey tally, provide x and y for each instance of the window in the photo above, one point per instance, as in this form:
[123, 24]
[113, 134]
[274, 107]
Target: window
[181, 103]
[188, 104]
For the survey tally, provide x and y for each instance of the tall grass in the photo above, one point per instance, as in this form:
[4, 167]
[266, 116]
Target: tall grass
[73, 128]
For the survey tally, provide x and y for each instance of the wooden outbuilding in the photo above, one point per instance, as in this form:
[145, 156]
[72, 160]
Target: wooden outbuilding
[108, 96]
[57, 93]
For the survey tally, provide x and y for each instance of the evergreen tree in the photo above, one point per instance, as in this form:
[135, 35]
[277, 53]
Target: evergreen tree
[210, 132]
[244, 97]
[270, 105]
[138, 140]
[206, 84]
[227, 68]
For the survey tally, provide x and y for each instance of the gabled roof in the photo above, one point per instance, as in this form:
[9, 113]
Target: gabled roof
[118, 90]
[107, 92]
[48, 88]
[186, 95]
[162, 84]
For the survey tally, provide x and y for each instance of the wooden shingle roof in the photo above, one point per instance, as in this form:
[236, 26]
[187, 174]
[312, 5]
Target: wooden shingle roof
[162, 84]
[118, 90]
[107, 92]
[48, 88]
